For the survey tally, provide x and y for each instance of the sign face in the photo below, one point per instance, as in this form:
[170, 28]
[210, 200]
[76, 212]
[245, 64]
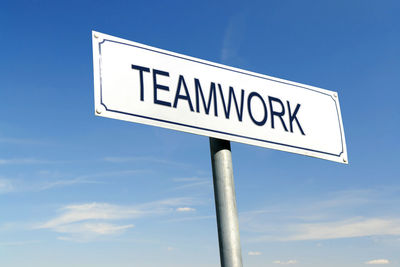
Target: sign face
[143, 84]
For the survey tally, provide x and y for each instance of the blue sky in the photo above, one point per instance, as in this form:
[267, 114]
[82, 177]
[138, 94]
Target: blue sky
[79, 190]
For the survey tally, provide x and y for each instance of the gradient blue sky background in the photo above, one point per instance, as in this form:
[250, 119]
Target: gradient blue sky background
[78, 190]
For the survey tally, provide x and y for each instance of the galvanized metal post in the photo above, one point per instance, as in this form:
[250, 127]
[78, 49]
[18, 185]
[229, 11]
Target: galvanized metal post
[225, 203]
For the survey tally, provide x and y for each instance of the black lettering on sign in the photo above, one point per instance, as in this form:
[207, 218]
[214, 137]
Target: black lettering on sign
[293, 117]
[186, 96]
[232, 95]
[264, 120]
[212, 94]
[159, 86]
[141, 69]
[275, 113]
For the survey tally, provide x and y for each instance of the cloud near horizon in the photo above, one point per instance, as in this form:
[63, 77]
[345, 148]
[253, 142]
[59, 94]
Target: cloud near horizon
[289, 262]
[185, 209]
[378, 262]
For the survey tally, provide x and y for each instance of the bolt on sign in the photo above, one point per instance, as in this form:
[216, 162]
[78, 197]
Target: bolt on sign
[144, 84]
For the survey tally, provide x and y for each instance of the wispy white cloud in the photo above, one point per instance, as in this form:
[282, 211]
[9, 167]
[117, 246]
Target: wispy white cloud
[357, 227]
[6, 185]
[68, 182]
[349, 228]
[92, 228]
[194, 185]
[254, 253]
[143, 159]
[85, 222]
[20, 141]
[234, 34]
[171, 202]
[18, 243]
[22, 161]
[192, 182]
[347, 199]
[14, 226]
[378, 262]
[192, 218]
[187, 179]
[89, 211]
[185, 209]
[285, 262]
[93, 178]
[46, 179]
[105, 211]
[329, 218]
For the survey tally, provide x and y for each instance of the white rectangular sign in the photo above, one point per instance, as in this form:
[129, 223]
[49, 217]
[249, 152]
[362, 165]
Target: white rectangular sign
[143, 84]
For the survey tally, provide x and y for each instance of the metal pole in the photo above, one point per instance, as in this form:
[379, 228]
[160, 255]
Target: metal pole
[225, 203]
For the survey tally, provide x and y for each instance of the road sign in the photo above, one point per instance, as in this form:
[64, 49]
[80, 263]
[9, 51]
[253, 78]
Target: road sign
[143, 84]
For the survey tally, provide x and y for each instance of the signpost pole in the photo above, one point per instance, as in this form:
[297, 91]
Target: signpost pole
[225, 203]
